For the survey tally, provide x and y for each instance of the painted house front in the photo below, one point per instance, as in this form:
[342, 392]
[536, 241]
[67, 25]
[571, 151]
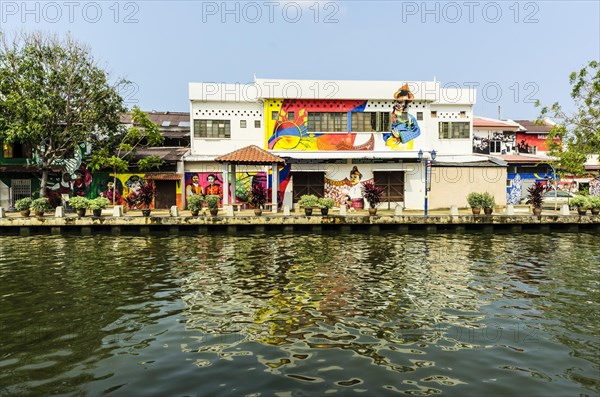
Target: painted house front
[337, 135]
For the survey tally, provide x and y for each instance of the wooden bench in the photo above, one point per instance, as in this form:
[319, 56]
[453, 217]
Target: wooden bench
[238, 206]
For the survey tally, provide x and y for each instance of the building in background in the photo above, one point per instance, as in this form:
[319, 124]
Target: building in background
[337, 135]
[19, 177]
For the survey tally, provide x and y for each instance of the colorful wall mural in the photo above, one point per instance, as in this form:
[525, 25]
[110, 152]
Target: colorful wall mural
[204, 183]
[527, 142]
[486, 142]
[287, 124]
[345, 187]
[514, 191]
[200, 183]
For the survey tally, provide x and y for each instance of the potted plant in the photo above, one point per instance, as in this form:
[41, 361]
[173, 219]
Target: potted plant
[325, 204]
[535, 197]
[40, 205]
[98, 204]
[212, 202]
[195, 203]
[24, 206]
[373, 194]
[258, 197]
[580, 203]
[145, 197]
[308, 202]
[475, 201]
[487, 202]
[594, 204]
[80, 204]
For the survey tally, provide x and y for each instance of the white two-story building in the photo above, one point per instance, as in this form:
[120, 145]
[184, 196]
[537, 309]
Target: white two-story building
[337, 135]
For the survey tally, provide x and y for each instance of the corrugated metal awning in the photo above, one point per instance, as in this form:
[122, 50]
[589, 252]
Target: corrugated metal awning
[164, 176]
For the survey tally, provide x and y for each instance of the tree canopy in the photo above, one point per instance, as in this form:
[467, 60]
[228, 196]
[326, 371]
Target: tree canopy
[53, 96]
[578, 132]
[116, 151]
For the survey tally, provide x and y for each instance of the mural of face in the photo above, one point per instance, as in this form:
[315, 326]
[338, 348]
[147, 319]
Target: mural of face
[195, 179]
[355, 175]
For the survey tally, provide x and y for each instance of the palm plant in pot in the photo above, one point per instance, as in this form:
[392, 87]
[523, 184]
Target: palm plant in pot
[40, 205]
[145, 197]
[212, 202]
[325, 204]
[373, 194]
[308, 202]
[535, 197]
[80, 204]
[98, 204]
[475, 201]
[487, 202]
[24, 206]
[195, 203]
[580, 203]
[258, 198]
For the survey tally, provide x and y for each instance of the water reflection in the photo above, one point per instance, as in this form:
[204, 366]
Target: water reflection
[319, 313]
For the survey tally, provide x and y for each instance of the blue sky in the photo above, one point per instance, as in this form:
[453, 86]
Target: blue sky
[513, 52]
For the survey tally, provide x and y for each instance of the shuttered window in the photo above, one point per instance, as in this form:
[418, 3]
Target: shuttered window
[308, 183]
[392, 183]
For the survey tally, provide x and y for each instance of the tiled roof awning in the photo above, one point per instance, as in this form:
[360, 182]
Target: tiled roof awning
[250, 155]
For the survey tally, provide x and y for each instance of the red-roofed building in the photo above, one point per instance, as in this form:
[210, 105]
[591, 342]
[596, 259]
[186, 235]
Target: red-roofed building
[531, 137]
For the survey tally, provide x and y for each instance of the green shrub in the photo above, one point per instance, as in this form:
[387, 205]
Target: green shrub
[487, 200]
[23, 204]
[99, 203]
[79, 203]
[212, 201]
[593, 201]
[308, 201]
[40, 204]
[326, 202]
[475, 200]
[195, 202]
[579, 202]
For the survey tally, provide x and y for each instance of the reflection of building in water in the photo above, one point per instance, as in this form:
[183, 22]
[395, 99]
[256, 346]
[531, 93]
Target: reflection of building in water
[375, 297]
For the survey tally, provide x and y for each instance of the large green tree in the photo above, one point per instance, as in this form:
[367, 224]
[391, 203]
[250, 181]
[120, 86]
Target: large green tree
[117, 151]
[576, 135]
[54, 96]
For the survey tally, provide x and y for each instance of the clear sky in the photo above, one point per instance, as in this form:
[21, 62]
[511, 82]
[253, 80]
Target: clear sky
[513, 52]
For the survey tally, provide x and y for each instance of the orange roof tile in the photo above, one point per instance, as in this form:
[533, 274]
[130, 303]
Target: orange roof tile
[250, 155]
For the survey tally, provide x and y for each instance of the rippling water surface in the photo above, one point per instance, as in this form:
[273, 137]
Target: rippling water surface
[300, 315]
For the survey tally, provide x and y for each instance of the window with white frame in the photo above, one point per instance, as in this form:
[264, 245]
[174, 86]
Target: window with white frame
[242, 123]
[212, 129]
[454, 129]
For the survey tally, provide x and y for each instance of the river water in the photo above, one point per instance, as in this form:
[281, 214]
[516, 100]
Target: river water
[300, 315]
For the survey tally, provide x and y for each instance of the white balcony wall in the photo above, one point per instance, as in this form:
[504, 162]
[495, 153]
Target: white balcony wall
[235, 112]
[451, 113]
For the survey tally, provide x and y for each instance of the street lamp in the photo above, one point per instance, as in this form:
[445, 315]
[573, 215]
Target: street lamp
[428, 162]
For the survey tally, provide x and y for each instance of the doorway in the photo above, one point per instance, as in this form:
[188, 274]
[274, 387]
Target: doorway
[308, 183]
[392, 183]
[166, 195]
